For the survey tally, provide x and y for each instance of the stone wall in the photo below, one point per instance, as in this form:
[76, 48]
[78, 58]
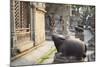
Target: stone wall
[39, 24]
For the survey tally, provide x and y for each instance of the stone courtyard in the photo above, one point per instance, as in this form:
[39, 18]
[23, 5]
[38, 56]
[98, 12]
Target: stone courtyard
[32, 26]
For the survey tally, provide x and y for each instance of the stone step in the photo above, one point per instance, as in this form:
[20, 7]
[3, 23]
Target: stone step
[25, 45]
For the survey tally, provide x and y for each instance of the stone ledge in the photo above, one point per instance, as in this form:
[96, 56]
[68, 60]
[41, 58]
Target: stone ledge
[25, 52]
[24, 46]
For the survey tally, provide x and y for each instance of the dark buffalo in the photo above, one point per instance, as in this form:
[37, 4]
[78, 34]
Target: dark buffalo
[69, 46]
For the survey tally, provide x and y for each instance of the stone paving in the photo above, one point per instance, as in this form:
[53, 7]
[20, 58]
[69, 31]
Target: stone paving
[41, 55]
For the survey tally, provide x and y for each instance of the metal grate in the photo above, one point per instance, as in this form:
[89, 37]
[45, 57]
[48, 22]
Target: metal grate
[17, 14]
[24, 14]
[21, 18]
